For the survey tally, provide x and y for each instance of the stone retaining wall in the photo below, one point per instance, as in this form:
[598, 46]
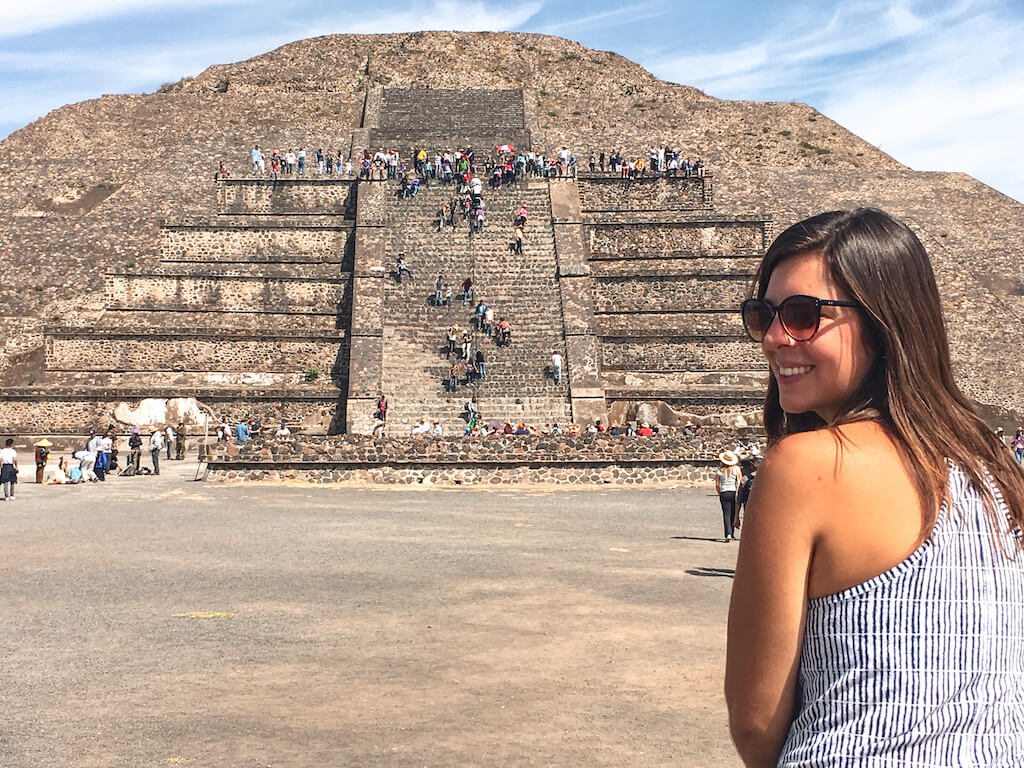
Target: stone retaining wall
[303, 195]
[616, 294]
[674, 354]
[112, 351]
[650, 193]
[54, 411]
[265, 243]
[154, 289]
[681, 239]
[467, 461]
[698, 323]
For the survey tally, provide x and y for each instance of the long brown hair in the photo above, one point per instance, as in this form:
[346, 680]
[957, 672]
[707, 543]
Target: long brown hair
[878, 261]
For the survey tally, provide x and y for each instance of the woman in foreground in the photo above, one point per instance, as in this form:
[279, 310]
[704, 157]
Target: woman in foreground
[877, 613]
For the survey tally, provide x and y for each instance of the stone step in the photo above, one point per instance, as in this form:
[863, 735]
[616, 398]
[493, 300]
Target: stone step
[185, 318]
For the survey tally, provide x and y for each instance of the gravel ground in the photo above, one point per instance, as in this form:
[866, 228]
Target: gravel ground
[158, 621]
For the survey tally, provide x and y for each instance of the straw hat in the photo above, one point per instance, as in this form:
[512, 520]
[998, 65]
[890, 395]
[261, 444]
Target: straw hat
[728, 458]
[44, 442]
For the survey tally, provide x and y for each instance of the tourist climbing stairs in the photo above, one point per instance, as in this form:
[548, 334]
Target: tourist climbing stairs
[522, 288]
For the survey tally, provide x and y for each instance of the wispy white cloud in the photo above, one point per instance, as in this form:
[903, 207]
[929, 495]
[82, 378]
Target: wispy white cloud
[938, 91]
[623, 16]
[438, 14]
[23, 18]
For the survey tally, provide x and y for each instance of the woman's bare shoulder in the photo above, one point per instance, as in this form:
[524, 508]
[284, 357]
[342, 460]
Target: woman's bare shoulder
[837, 455]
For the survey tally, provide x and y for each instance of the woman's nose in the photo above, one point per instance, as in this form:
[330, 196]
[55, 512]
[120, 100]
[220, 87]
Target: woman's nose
[775, 336]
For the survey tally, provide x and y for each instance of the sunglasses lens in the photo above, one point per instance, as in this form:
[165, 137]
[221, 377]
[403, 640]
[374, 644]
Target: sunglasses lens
[757, 316]
[799, 316]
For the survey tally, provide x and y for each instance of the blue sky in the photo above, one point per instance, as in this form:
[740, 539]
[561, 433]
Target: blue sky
[937, 84]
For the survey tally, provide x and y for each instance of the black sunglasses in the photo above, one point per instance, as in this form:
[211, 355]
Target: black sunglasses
[798, 315]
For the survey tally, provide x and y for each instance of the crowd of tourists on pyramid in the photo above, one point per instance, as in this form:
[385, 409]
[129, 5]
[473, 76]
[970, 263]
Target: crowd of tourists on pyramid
[663, 161]
[506, 166]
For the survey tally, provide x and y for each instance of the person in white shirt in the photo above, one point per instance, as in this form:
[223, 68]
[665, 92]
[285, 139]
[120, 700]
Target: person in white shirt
[169, 435]
[283, 430]
[556, 366]
[156, 443]
[8, 469]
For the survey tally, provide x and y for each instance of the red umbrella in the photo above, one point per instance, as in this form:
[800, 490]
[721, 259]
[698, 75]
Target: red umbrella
[505, 148]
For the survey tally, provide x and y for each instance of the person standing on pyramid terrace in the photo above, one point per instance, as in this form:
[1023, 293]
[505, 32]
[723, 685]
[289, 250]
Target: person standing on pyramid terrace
[258, 165]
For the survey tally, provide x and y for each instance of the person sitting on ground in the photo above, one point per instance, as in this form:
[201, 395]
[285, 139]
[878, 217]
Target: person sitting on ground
[521, 429]
[645, 430]
[282, 431]
[613, 430]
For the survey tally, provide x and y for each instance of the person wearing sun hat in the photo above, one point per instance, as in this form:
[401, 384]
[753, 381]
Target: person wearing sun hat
[42, 454]
[727, 483]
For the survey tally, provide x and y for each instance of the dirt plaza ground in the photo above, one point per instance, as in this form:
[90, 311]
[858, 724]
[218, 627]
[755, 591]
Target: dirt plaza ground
[159, 621]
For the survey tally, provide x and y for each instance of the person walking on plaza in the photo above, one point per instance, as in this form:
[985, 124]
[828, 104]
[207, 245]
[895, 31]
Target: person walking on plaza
[179, 442]
[169, 439]
[727, 483]
[8, 468]
[95, 447]
[156, 444]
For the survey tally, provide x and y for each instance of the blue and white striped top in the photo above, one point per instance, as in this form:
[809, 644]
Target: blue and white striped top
[924, 664]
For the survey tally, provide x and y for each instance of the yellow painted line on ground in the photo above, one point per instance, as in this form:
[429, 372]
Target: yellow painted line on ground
[206, 615]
